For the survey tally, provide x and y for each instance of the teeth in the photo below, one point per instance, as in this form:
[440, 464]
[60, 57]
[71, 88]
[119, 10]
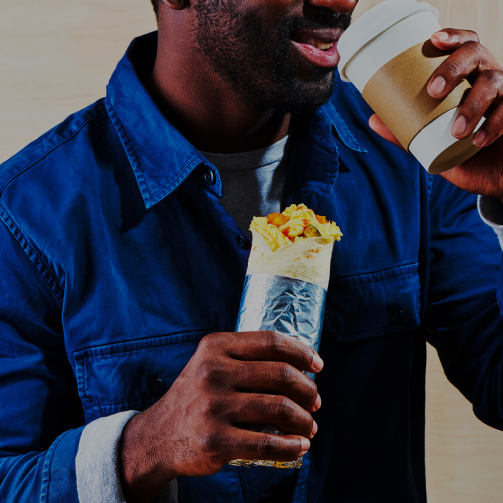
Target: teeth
[315, 43]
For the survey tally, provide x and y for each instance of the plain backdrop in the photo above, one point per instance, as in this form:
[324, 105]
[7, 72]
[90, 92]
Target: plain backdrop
[56, 57]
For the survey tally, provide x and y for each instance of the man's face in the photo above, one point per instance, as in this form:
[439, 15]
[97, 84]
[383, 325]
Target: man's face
[263, 51]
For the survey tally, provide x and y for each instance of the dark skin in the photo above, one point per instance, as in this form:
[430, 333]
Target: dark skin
[233, 378]
[217, 121]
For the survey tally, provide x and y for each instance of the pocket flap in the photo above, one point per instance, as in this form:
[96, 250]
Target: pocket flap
[374, 304]
[131, 375]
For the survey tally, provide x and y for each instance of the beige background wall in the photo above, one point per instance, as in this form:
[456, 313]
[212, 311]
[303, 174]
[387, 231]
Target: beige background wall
[56, 57]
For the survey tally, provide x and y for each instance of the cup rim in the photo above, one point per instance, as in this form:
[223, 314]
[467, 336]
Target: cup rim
[375, 21]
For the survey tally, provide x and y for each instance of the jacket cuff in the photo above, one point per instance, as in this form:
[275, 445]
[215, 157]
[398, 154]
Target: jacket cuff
[491, 212]
[96, 462]
[59, 479]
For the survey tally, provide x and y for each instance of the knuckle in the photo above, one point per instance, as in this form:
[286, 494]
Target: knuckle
[473, 45]
[285, 373]
[471, 109]
[206, 406]
[493, 77]
[213, 374]
[210, 443]
[451, 68]
[210, 408]
[273, 340]
[205, 372]
[265, 447]
[209, 342]
[283, 408]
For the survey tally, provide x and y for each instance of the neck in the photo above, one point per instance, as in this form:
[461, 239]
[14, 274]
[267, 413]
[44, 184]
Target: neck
[202, 107]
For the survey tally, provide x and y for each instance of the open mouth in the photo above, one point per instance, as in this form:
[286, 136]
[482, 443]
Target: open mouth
[318, 47]
[315, 43]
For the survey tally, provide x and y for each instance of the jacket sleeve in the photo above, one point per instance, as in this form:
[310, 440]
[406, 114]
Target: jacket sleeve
[41, 418]
[463, 315]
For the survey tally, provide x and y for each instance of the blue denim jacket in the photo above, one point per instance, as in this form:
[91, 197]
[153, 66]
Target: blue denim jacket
[117, 258]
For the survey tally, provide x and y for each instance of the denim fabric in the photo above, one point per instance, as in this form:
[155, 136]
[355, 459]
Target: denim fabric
[117, 259]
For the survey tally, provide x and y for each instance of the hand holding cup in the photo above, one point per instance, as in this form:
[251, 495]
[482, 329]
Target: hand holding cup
[482, 173]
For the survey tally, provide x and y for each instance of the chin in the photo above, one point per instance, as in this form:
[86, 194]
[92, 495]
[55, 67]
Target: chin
[306, 96]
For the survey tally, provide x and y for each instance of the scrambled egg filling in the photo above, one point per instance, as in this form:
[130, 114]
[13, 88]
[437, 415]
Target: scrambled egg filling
[296, 222]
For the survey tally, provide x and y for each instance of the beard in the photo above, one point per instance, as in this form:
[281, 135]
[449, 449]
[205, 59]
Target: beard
[254, 57]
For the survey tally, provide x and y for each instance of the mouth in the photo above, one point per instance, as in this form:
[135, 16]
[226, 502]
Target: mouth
[319, 47]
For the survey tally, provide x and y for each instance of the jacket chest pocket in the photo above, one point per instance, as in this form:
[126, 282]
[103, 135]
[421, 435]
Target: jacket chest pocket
[131, 375]
[369, 305]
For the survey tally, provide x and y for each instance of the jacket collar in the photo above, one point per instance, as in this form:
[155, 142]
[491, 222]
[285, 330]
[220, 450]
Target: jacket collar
[160, 156]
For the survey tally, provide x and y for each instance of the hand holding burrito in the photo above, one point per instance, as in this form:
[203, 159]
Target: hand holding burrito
[286, 282]
[236, 380]
[232, 379]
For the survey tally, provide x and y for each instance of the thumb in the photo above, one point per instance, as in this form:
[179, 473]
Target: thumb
[378, 126]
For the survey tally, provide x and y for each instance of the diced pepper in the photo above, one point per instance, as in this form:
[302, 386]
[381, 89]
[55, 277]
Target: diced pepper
[311, 232]
[277, 219]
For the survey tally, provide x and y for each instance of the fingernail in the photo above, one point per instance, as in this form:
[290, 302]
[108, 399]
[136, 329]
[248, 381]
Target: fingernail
[442, 35]
[304, 445]
[317, 363]
[315, 429]
[317, 404]
[479, 139]
[459, 127]
[437, 87]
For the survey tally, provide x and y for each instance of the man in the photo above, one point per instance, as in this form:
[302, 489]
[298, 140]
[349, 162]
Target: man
[124, 248]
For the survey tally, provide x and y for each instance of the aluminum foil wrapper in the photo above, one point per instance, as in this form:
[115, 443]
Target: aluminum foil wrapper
[290, 306]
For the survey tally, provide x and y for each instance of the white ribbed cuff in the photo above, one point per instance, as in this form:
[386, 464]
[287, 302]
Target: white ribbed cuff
[96, 464]
[491, 212]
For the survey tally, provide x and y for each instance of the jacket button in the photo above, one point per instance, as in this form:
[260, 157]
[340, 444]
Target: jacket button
[156, 386]
[209, 177]
[243, 242]
[395, 315]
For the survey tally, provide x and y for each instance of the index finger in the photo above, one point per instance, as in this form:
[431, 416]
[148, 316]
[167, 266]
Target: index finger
[468, 59]
[272, 346]
[450, 39]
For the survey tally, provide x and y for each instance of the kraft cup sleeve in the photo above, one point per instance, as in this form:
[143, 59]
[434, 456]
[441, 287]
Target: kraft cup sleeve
[286, 305]
[398, 92]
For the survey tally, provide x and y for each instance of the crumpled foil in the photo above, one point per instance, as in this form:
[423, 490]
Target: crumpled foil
[286, 305]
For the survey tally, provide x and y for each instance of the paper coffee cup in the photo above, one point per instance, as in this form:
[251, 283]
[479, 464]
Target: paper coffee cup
[387, 54]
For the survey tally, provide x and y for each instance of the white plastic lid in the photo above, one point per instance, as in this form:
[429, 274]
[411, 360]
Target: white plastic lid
[373, 23]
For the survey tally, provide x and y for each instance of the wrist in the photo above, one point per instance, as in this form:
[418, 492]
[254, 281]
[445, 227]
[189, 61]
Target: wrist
[142, 474]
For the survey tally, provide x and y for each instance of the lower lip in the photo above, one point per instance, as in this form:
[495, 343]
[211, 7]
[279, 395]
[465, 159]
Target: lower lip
[324, 59]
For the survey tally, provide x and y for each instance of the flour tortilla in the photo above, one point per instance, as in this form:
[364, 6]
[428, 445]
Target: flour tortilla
[307, 259]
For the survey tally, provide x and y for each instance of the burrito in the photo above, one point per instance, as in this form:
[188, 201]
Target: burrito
[295, 244]
[286, 283]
